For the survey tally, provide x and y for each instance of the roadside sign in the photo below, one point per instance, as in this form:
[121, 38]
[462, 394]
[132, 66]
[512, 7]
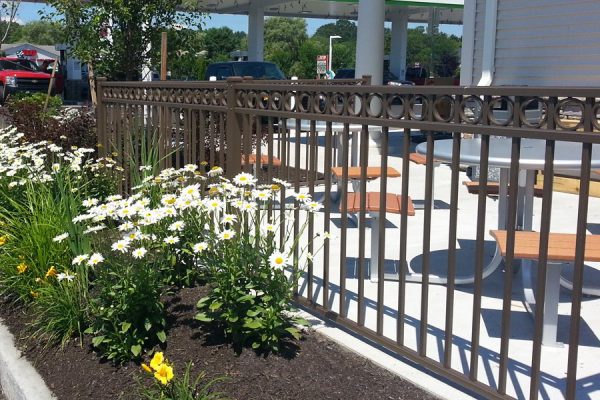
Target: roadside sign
[321, 64]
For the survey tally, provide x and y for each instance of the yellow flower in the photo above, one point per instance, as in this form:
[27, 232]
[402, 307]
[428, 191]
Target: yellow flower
[204, 163]
[164, 373]
[275, 187]
[51, 272]
[34, 294]
[3, 240]
[146, 368]
[22, 267]
[157, 360]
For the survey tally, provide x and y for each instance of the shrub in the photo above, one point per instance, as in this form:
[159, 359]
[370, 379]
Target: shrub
[66, 127]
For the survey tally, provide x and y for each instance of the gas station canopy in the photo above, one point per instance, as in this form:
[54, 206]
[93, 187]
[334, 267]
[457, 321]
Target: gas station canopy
[419, 11]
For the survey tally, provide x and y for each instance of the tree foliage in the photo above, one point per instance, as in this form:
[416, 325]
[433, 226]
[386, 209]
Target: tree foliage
[36, 32]
[283, 39]
[114, 36]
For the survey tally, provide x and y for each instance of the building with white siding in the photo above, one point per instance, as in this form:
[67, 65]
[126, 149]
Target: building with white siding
[533, 42]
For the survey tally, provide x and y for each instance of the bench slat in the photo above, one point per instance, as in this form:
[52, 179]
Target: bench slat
[561, 246]
[372, 172]
[264, 160]
[493, 188]
[393, 203]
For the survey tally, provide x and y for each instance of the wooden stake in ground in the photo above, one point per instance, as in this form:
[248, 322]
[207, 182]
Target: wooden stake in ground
[163, 57]
[50, 85]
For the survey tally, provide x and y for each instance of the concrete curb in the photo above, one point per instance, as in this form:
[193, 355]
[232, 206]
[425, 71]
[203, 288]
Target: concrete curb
[18, 378]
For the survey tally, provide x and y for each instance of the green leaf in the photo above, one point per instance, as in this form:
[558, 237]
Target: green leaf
[136, 350]
[255, 345]
[244, 298]
[233, 319]
[203, 317]
[253, 324]
[294, 332]
[267, 298]
[89, 330]
[252, 313]
[215, 305]
[202, 301]
[148, 325]
[162, 336]
[97, 340]
[301, 321]
[125, 326]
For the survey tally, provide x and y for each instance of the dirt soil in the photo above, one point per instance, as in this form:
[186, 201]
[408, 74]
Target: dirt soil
[314, 368]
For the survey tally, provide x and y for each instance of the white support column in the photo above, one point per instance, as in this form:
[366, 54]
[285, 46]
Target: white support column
[399, 44]
[256, 33]
[369, 57]
[369, 42]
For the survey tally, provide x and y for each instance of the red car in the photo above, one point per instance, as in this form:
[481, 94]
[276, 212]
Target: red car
[22, 75]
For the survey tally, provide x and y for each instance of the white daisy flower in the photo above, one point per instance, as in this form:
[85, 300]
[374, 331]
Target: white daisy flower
[65, 276]
[302, 197]
[122, 245]
[171, 240]
[228, 219]
[312, 206]
[213, 204]
[177, 226]
[168, 200]
[279, 260]
[90, 202]
[190, 167]
[244, 179]
[215, 171]
[80, 259]
[200, 247]
[139, 253]
[61, 237]
[227, 234]
[126, 226]
[95, 259]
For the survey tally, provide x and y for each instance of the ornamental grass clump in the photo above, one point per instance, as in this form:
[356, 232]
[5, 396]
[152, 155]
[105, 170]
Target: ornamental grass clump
[41, 186]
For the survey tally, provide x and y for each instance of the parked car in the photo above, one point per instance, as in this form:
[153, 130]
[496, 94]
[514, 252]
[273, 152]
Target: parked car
[21, 75]
[255, 69]
[417, 75]
[388, 77]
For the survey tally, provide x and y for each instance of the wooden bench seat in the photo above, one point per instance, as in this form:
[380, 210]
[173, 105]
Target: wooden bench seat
[393, 203]
[264, 160]
[493, 188]
[372, 172]
[417, 158]
[561, 246]
[561, 249]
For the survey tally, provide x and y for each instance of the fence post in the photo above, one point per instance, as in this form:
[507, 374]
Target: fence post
[233, 130]
[101, 134]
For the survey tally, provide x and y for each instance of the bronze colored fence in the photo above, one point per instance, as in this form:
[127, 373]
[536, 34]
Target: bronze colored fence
[307, 127]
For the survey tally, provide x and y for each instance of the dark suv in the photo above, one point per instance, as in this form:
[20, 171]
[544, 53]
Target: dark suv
[255, 69]
[388, 77]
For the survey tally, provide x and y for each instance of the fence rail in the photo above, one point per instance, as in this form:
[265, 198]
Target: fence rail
[311, 127]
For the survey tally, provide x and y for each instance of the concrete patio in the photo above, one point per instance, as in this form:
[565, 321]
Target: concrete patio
[554, 359]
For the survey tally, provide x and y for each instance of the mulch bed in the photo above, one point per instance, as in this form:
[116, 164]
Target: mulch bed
[316, 368]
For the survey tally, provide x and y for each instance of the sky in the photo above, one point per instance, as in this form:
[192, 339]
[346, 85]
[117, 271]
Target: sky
[30, 12]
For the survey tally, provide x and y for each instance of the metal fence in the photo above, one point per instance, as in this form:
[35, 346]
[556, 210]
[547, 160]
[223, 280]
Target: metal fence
[308, 127]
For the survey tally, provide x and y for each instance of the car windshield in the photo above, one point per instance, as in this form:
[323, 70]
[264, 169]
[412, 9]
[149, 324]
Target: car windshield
[18, 65]
[259, 70]
[345, 74]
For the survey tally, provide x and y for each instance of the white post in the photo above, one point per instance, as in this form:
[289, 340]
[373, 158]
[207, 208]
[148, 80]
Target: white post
[330, 59]
[369, 54]
[399, 44]
[369, 41]
[256, 33]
